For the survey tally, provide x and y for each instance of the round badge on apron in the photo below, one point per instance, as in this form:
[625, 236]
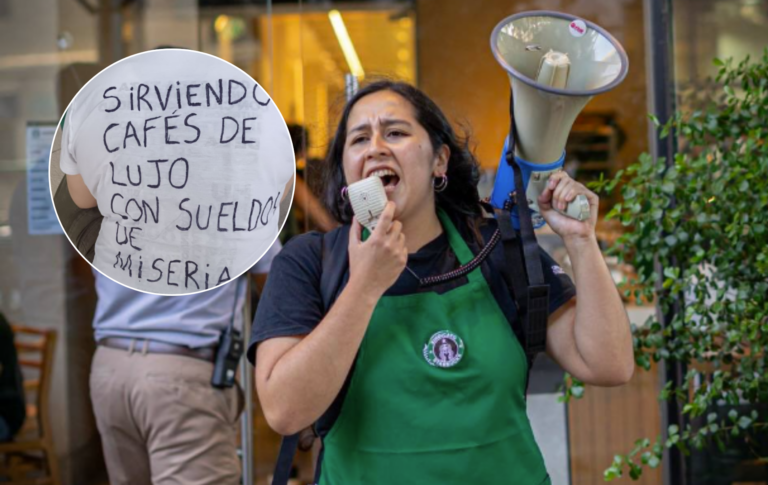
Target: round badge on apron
[444, 349]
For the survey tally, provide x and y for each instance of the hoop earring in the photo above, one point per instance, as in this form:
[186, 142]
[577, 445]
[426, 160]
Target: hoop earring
[441, 184]
[344, 195]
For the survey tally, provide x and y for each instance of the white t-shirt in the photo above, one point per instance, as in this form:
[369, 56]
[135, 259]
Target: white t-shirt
[188, 159]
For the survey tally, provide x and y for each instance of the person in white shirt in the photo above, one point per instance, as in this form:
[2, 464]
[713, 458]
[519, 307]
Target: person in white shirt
[161, 421]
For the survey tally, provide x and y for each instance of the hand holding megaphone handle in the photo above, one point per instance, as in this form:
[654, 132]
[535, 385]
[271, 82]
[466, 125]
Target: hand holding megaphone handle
[577, 209]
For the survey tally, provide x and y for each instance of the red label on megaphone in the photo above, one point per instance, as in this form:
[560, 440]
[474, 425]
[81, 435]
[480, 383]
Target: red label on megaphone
[578, 28]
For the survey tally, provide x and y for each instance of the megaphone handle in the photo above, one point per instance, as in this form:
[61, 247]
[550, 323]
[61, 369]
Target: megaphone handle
[577, 209]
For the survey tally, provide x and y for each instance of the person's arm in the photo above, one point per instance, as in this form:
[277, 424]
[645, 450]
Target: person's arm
[78, 191]
[80, 194]
[297, 378]
[590, 335]
[288, 188]
[312, 207]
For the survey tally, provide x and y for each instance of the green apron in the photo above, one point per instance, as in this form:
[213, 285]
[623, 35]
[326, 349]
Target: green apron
[437, 395]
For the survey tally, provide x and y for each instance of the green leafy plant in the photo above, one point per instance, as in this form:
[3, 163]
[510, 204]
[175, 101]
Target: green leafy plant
[704, 220]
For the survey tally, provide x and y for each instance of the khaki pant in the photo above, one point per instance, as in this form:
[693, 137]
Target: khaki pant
[161, 422]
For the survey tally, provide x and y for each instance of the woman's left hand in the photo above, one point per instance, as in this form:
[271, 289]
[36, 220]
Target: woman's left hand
[560, 191]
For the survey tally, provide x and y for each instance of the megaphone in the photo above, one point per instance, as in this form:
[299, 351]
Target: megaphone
[556, 64]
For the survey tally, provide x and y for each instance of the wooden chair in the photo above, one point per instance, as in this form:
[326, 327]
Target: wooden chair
[30, 459]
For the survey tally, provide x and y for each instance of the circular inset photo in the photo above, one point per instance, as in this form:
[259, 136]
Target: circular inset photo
[175, 164]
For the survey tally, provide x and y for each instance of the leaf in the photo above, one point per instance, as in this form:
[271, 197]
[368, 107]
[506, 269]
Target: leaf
[654, 461]
[672, 441]
[611, 474]
[671, 272]
[744, 422]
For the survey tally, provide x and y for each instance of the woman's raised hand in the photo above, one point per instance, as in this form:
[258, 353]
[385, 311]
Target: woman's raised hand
[377, 262]
[560, 191]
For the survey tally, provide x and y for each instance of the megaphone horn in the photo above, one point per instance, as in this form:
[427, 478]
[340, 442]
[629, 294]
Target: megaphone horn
[556, 63]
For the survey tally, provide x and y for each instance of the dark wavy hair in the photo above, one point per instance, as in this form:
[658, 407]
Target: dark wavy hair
[459, 199]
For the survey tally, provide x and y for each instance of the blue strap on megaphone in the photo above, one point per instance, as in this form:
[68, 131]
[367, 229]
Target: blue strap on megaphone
[505, 182]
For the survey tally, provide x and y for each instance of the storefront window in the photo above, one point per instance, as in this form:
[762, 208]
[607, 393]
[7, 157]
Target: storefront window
[713, 29]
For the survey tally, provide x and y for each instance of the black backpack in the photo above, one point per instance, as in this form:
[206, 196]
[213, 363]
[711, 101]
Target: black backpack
[527, 289]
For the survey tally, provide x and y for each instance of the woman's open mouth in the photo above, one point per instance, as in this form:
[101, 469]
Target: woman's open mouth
[388, 178]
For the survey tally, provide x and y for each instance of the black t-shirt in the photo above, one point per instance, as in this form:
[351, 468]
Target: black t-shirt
[292, 302]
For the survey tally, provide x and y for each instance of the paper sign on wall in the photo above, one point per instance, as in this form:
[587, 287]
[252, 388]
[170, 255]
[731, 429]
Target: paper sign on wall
[41, 217]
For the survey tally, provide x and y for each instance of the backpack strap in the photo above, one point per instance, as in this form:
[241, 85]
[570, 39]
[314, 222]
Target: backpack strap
[535, 306]
[288, 447]
[334, 265]
[515, 280]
